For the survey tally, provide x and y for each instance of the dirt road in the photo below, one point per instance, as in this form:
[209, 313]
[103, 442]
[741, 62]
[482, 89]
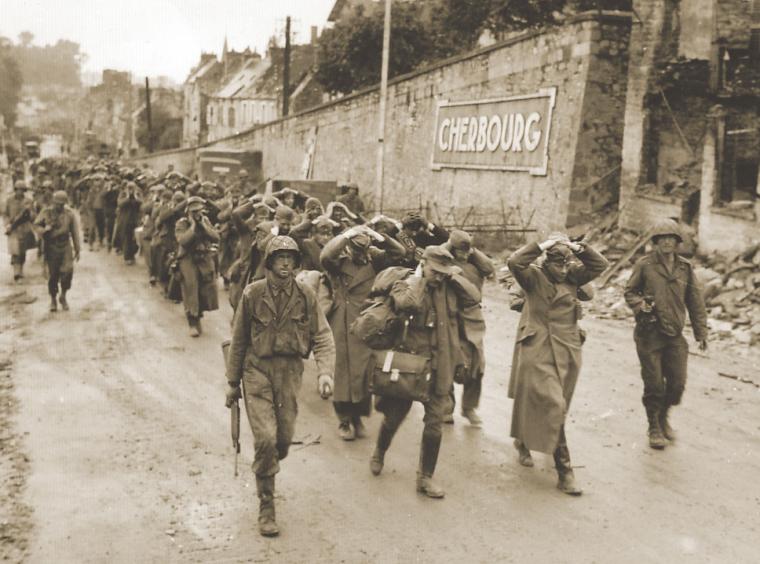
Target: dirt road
[120, 415]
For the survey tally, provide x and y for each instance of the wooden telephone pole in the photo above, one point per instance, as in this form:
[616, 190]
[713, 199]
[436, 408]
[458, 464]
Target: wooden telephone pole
[148, 116]
[286, 71]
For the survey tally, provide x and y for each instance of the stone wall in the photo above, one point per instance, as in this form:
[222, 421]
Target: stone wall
[184, 160]
[732, 21]
[585, 60]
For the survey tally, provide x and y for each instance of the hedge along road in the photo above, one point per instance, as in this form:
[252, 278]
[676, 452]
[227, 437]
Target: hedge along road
[124, 424]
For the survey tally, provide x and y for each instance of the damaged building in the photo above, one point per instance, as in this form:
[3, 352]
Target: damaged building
[691, 144]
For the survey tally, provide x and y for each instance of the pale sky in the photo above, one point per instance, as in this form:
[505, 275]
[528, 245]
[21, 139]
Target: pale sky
[158, 37]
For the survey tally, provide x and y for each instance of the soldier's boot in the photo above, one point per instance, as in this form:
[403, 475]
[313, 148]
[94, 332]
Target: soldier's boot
[656, 439]
[360, 431]
[53, 304]
[384, 439]
[472, 416]
[193, 323]
[18, 272]
[346, 429]
[525, 458]
[267, 523]
[566, 482]
[665, 427]
[64, 303]
[429, 449]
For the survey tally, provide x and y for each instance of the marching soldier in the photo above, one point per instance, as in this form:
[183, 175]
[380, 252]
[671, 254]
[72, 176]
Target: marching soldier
[417, 233]
[276, 325]
[19, 213]
[323, 230]
[476, 267]
[433, 296]
[129, 205]
[195, 236]
[547, 356]
[662, 288]
[60, 236]
[351, 198]
[351, 265]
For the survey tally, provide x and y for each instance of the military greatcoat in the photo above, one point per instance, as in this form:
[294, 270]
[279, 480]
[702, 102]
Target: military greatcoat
[547, 355]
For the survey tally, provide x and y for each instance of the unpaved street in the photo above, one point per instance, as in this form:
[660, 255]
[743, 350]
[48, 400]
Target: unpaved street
[121, 417]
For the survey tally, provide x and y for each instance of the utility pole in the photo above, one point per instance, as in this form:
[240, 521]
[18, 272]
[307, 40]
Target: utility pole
[286, 71]
[379, 190]
[147, 114]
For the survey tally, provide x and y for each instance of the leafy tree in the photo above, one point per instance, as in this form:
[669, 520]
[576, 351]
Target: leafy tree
[57, 64]
[167, 131]
[350, 53]
[25, 38]
[428, 30]
[10, 83]
[456, 25]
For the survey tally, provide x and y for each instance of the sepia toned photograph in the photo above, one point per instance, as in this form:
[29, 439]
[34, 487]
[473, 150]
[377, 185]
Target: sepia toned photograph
[380, 281]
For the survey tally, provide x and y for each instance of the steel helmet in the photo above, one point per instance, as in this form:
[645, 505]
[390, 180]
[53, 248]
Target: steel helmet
[281, 243]
[195, 203]
[666, 227]
[60, 197]
[20, 185]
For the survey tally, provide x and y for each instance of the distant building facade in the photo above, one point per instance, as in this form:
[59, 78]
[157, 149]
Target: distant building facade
[225, 97]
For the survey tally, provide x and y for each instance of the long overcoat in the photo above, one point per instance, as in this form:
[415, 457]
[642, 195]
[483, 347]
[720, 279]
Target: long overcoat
[16, 238]
[476, 269]
[351, 284]
[547, 355]
[196, 264]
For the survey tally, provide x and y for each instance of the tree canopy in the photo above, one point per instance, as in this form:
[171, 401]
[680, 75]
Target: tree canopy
[349, 53]
[49, 65]
[428, 30]
[10, 82]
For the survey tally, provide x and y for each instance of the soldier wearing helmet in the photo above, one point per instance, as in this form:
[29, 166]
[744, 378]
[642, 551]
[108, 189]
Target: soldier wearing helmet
[19, 214]
[59, 230]
[417, 233]
[276, 325]
[197, 240]
[662, 288]
[351, 264]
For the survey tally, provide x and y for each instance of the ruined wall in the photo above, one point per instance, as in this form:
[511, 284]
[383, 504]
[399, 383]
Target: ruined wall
[584, 59]
[665, 119]
[719, 229]
[596, 176]
[732, 20]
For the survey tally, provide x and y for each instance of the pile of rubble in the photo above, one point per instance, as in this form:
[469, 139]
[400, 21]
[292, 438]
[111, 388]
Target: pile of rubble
[731, 284]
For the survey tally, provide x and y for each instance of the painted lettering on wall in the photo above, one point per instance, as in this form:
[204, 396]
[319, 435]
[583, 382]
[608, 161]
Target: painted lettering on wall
[500, 134]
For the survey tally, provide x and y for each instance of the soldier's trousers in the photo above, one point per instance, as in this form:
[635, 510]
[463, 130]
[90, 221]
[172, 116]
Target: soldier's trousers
[270, 392]
[663, 366]
[110, 221]
[58, 273]
[347, 411]
[395, 411]
[100, 225]
[470, 394]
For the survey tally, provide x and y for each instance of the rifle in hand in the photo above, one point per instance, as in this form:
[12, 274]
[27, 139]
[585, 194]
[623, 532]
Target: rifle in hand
[235, 425]
[234, 413]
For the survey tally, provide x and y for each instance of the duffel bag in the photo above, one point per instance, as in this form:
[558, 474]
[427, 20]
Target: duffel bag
[377, 326]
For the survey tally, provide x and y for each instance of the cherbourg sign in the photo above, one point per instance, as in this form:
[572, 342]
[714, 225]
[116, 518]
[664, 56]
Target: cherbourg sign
[496, 134]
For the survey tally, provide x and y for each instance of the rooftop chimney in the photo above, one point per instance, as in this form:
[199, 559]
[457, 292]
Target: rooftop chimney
[314, 35]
